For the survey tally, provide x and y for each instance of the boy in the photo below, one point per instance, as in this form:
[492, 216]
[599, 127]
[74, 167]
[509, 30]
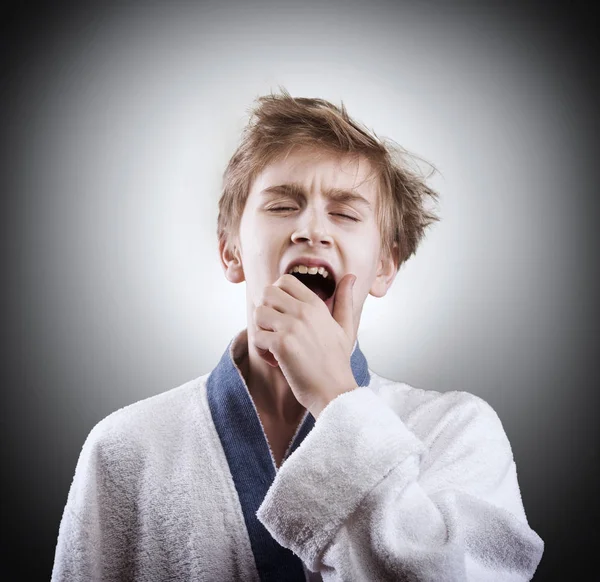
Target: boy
[292, 460]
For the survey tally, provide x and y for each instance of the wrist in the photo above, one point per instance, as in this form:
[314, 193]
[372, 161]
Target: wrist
[317, 408]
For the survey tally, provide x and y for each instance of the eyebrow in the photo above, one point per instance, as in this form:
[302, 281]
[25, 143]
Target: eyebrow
[297, 192]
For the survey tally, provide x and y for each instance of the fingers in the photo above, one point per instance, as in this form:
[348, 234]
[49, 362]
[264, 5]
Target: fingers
[272, 306]
[265, 325]
[269, 358]
[267, 318]
[277, 298]
[275, 315]
[296, 289]
[263, 340]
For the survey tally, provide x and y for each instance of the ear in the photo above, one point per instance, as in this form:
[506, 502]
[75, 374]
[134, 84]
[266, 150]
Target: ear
[386, 273]
[231, 261]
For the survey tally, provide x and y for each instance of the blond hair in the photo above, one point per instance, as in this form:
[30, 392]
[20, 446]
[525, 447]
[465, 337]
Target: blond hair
[280, 122]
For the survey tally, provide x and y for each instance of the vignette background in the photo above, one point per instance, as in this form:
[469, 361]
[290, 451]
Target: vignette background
[118, 119]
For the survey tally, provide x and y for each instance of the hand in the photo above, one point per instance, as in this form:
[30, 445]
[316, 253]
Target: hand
[295, 331]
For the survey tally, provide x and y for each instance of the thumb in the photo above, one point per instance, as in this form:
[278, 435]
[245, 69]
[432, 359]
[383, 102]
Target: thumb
[343, 307]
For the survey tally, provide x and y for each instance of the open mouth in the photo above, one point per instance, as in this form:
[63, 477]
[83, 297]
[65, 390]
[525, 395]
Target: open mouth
[321, 286]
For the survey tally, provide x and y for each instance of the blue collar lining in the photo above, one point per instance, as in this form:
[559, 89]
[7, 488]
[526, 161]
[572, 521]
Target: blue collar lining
[248, 455]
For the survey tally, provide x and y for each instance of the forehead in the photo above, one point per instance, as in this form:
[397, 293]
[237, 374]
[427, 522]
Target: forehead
[318, 170]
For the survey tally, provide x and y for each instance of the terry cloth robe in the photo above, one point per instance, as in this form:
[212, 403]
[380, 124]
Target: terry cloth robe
[390, 483]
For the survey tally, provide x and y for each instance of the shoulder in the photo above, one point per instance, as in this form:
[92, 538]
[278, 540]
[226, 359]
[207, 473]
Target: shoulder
[465, 442]
[431, 414]
[136, 431]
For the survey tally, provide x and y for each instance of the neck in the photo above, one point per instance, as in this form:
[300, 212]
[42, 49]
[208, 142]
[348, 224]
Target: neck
[268, 387]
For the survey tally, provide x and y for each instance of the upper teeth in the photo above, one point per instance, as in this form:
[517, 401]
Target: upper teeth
[310, 270]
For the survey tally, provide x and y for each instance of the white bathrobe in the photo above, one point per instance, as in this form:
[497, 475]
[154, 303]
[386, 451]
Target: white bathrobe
[390, 483]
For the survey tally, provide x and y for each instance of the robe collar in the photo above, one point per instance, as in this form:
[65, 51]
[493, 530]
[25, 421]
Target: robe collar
[248, 455]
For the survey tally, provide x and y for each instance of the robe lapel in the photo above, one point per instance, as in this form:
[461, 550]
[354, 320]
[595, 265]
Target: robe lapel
[249, 458]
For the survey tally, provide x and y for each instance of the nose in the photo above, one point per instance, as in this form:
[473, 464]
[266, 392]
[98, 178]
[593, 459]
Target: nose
[312, 229]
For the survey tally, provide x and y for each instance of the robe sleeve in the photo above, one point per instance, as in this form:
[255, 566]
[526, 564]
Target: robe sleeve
[95, 534]
[363, 498]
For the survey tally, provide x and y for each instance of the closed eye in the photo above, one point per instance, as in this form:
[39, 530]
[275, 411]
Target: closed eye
[282, 208]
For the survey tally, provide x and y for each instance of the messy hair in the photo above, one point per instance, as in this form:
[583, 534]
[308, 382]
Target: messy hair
[280, 122]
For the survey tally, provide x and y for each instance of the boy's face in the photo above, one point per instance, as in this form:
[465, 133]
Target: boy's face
[277, 228]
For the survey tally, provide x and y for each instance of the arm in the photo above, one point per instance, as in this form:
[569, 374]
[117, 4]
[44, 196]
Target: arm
[364, 498]
[97, 522]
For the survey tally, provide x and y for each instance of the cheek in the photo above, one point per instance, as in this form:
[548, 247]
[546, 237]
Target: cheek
[365, 268]
[364, 260]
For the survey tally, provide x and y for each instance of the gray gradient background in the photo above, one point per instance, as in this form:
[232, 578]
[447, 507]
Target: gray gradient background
[117, 122]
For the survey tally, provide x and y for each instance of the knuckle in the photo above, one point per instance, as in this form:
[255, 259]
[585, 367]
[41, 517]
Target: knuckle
[258, 312]
[304, 314]
[288, 338]
[266, 296]
[278, 344]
